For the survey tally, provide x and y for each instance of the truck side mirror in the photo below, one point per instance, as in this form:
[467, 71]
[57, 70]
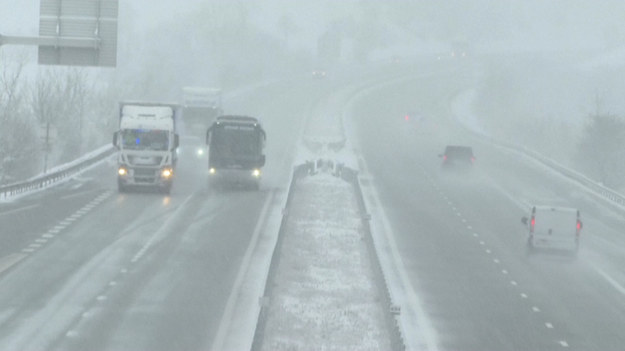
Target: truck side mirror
[115, 139]
[261, 162]
[524, 220]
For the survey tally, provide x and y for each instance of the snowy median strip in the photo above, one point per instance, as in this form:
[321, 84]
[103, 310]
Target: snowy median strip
[323, 291]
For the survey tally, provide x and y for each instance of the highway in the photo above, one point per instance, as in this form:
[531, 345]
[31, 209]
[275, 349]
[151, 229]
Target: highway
[84, 267]
[460, 236]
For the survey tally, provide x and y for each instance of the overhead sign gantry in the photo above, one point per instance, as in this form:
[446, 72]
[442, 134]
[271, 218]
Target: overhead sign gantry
[75, 32]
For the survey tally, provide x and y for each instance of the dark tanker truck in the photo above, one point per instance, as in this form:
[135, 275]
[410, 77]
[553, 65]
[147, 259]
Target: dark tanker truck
[235, 151]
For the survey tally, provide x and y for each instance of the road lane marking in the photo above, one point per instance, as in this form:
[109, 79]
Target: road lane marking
[18, 209]
[47, 236]
[9, 261]
[563, 343]
[535, 309]
[549, 325]
[610, 280]
[523, 295]
[504, 271]
[514, 283]
[228, 314]
[77, 194]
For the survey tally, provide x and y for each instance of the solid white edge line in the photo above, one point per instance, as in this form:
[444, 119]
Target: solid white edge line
[227, 317]
[413, 313]
[609, 279]
[18, 209]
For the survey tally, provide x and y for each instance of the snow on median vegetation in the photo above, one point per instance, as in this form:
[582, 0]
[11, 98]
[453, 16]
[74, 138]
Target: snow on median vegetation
[323, 295]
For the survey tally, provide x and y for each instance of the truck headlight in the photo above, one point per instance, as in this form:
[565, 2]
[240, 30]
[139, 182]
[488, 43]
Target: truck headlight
[122, 171]
[200, 151]
[212, 170]
[256, 173]
[167, 172]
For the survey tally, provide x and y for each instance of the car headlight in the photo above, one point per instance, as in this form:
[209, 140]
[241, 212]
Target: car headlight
[200, 152]
[256, 173]
[122, 171]
[167, 172]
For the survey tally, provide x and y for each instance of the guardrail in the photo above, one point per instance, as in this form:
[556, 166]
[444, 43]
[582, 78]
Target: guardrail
[397, 339]
[604, 191]
[298, 173]
[613, 197]
[350, 176]
[60, 173]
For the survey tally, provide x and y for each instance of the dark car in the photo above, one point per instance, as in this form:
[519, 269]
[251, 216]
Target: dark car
[457, 157]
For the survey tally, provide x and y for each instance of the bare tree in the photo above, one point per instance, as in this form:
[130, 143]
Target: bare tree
[600, 152]
[18, 139]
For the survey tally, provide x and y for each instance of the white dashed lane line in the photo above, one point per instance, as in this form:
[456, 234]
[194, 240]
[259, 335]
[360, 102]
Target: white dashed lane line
[496, 261]
[62, 225]
[18, 210]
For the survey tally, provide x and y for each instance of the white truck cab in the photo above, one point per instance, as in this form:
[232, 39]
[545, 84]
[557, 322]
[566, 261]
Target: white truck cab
[147, 141]
[555, 228]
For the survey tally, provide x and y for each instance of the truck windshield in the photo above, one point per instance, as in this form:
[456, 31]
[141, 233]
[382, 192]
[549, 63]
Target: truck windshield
[140, 139]
[235, 141]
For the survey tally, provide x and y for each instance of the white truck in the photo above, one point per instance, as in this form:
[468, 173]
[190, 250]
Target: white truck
[147, 140]
[201, 106]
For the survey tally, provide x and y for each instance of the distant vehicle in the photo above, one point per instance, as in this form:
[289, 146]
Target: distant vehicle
[556, 228]
[201, 106]
[147, 140]
[319, 73]
[456, 157]
[235, 151]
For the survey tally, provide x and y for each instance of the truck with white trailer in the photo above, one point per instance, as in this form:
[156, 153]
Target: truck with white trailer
[235, 151]
[201, 106]
[147, 140]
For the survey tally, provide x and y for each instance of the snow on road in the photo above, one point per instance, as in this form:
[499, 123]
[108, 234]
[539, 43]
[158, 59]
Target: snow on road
[324, 295]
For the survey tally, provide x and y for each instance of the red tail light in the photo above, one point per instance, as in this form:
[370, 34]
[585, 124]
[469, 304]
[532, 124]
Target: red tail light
[532, 224]
[444, 157]
[472, 159]
[407, 118]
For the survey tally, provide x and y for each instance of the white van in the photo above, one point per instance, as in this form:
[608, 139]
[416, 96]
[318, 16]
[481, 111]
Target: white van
[555, 228]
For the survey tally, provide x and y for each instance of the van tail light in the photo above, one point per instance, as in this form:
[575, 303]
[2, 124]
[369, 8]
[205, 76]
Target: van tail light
[444, 157]
[579, 227]
[532, 224]
[472, 159]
